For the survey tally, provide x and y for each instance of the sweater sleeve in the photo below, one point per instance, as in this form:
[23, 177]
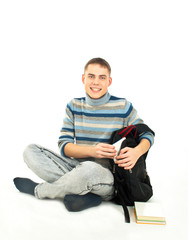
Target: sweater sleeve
[149, 136]
[134, 119]
[67, 130]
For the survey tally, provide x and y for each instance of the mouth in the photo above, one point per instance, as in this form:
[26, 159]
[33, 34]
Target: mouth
[95, 90]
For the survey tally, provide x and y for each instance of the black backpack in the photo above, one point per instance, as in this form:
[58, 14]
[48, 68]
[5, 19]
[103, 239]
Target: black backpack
[131, 185]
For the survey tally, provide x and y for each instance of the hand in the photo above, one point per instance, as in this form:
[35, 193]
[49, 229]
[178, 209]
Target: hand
[128, 157]
[103, 150]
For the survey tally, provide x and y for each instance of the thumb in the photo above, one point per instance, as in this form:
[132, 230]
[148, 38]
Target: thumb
[123, 150]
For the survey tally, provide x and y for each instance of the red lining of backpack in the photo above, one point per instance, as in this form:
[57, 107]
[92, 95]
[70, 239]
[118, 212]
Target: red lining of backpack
[131, 128]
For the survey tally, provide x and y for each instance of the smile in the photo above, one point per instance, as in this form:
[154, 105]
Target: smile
[95, 89]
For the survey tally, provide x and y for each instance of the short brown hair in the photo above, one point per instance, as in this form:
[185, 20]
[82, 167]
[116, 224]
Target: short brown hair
[99, 61]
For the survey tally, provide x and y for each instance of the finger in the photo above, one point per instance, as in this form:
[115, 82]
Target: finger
[125, 165]
[107, 154]
[121, 161]
[124, 150]
[129, 167]
[121, 157]
[106, 145]
[109, 150]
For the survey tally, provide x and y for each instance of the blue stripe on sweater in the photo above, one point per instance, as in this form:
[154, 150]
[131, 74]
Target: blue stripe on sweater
[92, 139]
[104, 113]
[67, 129]
[65, 137]
[116, 98]
[123, 115]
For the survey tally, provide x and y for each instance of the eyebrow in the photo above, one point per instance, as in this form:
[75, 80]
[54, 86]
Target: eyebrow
[103, 75]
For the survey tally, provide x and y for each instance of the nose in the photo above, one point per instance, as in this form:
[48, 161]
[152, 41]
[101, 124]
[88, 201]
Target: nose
[96, 80]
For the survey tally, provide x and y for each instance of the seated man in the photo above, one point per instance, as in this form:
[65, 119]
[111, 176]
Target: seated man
[81, 174]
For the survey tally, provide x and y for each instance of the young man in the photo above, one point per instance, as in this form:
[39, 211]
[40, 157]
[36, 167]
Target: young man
[81, 175]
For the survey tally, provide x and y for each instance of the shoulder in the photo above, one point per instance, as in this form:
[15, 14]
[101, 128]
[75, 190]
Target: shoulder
[76, 103]
[77, 100]
[119, 100]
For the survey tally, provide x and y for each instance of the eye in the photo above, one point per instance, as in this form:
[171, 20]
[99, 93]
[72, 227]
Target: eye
[91, 76]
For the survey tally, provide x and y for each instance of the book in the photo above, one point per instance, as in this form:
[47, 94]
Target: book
[117, 146]
[149, 213]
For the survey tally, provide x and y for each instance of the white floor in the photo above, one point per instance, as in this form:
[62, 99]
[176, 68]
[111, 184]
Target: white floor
[24, 217]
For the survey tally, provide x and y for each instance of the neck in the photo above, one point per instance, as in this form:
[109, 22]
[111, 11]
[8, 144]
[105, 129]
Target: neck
[99, 101]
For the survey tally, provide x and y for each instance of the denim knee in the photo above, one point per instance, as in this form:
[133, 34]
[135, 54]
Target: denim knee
[94, 173]
[28, 153]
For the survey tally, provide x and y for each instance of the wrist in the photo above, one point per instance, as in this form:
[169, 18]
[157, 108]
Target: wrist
[88, 151]
[143, 147]
[139, 151]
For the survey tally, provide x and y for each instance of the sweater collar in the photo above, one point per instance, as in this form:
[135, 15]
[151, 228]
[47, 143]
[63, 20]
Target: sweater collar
[100, 101]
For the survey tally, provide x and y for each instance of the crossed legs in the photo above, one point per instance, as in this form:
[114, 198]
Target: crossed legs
[66, 178]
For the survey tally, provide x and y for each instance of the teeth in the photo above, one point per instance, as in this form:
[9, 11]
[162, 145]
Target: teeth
[95, 89]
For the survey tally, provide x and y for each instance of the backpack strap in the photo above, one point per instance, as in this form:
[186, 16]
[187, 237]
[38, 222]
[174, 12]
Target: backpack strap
[127, 130]
[136, 130]
[125, 209]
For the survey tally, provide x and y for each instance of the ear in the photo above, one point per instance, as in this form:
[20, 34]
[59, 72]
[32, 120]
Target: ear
[83, 78]
[110, 81]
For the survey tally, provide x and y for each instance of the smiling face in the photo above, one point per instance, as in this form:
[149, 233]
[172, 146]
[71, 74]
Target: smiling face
[96, 80]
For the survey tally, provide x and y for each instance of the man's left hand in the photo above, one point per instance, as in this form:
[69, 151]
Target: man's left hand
[127, 157]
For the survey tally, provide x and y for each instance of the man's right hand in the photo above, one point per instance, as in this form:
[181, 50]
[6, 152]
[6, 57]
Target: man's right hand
[103, 150]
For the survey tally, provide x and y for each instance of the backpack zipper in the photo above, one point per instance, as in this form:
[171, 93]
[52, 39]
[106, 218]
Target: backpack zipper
[114, 168]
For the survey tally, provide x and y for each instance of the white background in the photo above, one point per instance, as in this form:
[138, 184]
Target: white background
[44, 46]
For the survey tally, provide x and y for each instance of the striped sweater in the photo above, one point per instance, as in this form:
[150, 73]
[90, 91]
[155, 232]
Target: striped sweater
[90, 121]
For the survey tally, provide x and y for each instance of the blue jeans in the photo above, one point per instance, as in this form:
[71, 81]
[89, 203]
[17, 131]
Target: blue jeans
[64, 176]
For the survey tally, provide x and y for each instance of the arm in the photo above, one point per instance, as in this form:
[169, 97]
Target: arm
[101, 150]
[129, 156]
[69, 149]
